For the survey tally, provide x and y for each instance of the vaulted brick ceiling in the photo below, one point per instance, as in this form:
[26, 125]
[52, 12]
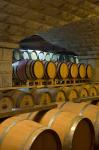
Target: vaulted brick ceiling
[22, 18]
[81, 37]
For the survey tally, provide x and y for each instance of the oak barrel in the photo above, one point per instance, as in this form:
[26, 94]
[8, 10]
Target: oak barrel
[71, 93]
[33, 55]
[47, 57]
[50, 69]
[19, 69]
[87, 110]
[55, 57]
[35, 69]
[62, 70]
[70, 128]
[57, 94]
[62, 57]
[41, 96]
[73, 70]
[93, 91]
[82, 91]
[84, 108]
[96, 85]
[22, 99]
[17, 55]
[41, 56]
[27, 135]
[26, 55]
[6, 103]
[89, 71]
[81, 70]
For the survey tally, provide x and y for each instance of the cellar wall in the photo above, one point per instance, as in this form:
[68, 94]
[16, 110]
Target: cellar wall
[5, 67]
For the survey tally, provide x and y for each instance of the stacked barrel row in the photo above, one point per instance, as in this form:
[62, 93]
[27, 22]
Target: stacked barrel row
[53, 129]
[24, 70]
[19, 55]
[48, 56]
[33, 55]
[43, 96]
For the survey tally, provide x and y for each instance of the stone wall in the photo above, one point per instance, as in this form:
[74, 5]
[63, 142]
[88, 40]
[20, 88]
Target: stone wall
[5, 67]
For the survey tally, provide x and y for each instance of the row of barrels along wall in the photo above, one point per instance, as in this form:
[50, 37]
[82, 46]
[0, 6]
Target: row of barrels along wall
[32, 55]
[19, 55]
[29, 70]
[47, 56]
[70, 127]
[43, 96]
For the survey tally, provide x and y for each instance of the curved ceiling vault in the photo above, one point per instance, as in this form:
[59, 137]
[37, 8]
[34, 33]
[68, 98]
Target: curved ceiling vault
[23, 18]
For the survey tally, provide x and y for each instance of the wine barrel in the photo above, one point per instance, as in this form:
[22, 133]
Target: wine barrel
[17, 55]
[27, 135]
[41, 96]
[89, 71]
[62, 57]
[48, 57]
[73, 70]
[26, 55]
[93, 91]
[22, 99]
[58, 95]
[6, 103]
[71, 93]
[96, 85]
[84, 108]
[33, 55]
[55, 57]
[41, 56]
[62, 70]
[83, 92]
[50, 70]
[14, 73]
[19, 69]
[70, 128]
[81, 71]
[76, 59]
[35, 69]
[87, 110]
[71, 58]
